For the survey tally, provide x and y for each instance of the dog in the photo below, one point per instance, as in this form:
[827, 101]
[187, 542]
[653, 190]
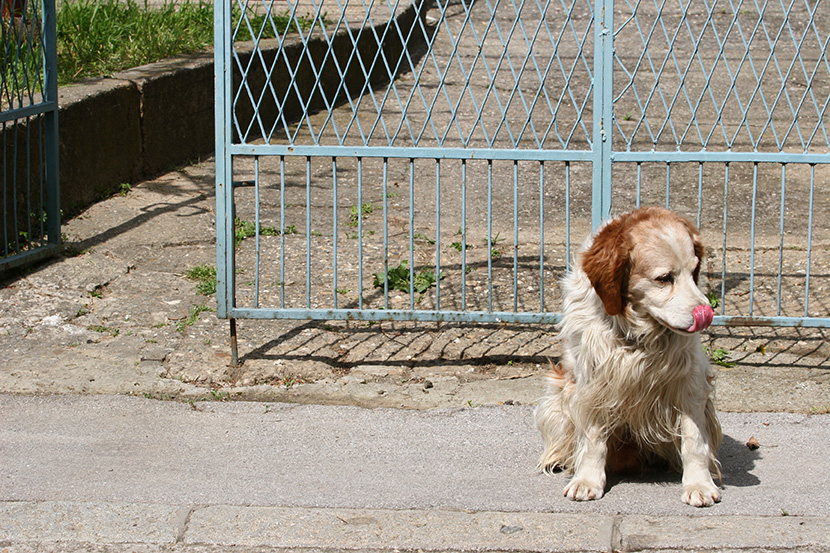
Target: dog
[634, 387]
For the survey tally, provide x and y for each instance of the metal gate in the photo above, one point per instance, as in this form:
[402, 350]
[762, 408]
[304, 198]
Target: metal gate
[29, 116]
[439, 160]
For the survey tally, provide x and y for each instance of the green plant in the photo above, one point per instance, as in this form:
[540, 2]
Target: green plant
[96, 293]
[195, 311]
[242, 229]
[424, 237]
[290, 229]
[205, 277]
[219, 395]
[458, 246]
[719, 356]
[494, 252]
[399, 278]
[356, 213]
[125, 188]
[713, 300]
[104, 330]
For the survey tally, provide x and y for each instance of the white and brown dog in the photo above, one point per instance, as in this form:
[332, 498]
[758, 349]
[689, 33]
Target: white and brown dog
[634, 385]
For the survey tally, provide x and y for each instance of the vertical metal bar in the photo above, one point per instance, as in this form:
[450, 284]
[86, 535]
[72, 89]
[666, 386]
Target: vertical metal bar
[50, 137]
[282, 232]
[699, 194]
[639, 183]
[723, 266]
[437, 234]
[541, 236]
[307, 231]
[5, 194]
[603, 110]
[515, 236]
[28, 213]
[386, 233]
[412, 233]
[234, 343]
[752, 238]
[490, 234]
[463, 234]
[668, 184]
[360, 233]
[781, 236]
[567, 215]
[224, 163]
[256, 230]
[809, 242]
[334, 230]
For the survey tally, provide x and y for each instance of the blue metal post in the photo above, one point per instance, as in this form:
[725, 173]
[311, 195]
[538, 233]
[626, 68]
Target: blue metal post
[603, 109]
[50, 119]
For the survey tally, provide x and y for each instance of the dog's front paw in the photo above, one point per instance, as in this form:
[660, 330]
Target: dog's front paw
[582, 489]
[701, 494]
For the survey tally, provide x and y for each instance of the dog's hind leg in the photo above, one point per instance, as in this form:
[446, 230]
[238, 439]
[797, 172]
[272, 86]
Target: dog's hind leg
[554, 422]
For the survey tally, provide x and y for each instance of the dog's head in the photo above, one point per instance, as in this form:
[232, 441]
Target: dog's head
[649, 261]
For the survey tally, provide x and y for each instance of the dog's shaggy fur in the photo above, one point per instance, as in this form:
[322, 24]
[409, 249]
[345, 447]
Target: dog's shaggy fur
[633, 386]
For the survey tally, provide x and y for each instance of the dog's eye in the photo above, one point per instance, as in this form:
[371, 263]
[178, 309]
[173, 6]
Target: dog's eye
[668, 278]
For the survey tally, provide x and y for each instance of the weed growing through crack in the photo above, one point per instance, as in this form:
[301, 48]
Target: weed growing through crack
[495, 253]
[242, 229]
[219, 395]
[356, 213]
[192, 317]
[424, 237]
[205, 277]
[399, 278]
[103, 329]
[713, 300]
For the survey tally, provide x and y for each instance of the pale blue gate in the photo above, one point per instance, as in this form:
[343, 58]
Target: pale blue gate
[439, 160]
[30, 228]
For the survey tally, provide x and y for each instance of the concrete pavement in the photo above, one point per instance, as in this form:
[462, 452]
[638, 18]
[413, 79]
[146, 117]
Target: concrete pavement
[123, 473]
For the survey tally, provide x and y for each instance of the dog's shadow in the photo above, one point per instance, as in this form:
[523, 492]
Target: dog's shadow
[737, 462]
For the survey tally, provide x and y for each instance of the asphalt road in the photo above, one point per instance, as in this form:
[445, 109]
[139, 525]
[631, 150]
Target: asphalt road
[125, 470]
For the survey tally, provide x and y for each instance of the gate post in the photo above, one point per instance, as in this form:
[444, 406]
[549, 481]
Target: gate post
[603, 110]
[50, 120]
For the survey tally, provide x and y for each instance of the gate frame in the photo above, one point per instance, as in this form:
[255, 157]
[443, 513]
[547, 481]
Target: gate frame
[47, 108]
[602, 156]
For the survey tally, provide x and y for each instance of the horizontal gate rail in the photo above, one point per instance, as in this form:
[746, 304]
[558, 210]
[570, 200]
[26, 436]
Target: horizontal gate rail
[410, 152]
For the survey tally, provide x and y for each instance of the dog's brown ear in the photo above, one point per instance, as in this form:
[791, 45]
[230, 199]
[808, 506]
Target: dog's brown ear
[699, 251]
[606, 264]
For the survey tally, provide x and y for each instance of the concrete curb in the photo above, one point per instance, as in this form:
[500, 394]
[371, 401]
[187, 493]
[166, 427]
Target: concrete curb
[150, 119]
[338, 529]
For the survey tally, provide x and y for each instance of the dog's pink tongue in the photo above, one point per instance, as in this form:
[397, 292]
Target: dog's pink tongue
[703, 315]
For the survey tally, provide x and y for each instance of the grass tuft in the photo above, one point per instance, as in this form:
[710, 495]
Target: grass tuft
[205, 277]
